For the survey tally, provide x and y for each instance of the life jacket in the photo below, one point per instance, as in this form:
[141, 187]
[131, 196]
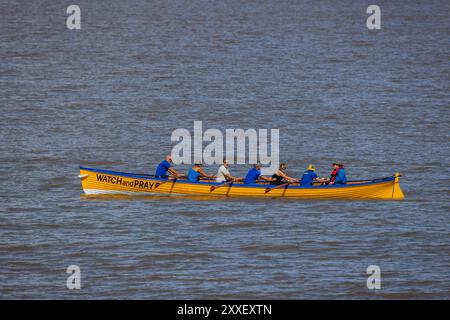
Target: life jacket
[334, 174]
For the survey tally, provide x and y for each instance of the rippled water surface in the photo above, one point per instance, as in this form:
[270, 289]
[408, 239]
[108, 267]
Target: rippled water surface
[110, 95]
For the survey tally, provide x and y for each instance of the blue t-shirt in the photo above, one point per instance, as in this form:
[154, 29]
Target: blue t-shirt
[193, 176]
[252, 175]
[308, 178]
[161, 171]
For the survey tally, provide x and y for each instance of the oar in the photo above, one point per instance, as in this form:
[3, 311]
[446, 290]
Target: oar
[278, 187]
[221, 185]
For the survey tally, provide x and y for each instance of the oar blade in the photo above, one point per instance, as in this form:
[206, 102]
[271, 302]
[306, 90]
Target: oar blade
[277, 187]
[228, 183]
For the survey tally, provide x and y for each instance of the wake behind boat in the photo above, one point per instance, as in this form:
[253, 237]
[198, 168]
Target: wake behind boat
[98, 181]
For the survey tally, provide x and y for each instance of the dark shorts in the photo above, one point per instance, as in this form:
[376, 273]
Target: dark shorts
[277, 183]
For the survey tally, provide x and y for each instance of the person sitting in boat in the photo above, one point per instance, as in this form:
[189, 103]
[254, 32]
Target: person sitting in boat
[254, 174]
[224, 175]
[165, 167]
[196, 172]
[310, 176]
[280, 176]
[338, 174]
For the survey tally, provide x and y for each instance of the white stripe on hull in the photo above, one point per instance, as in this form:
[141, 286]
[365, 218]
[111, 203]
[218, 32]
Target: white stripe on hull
[131, 193]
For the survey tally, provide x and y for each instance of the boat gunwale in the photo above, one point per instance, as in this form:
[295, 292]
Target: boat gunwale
[253, 185]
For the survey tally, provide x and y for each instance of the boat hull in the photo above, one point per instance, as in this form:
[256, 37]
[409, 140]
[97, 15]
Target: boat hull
[97, 181]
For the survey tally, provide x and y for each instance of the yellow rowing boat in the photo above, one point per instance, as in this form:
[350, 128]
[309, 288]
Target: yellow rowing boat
[97, 181]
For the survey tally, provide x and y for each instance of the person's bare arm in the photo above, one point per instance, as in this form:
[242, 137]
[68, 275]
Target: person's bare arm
[229, 176]
[267, 178]
[203, 174]
[285, 176]
[173, 172]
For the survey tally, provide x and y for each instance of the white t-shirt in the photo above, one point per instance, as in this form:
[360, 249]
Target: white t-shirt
[221, 174]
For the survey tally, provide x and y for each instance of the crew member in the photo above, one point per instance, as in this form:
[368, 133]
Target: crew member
[338, 174]
[254, 174]
[196, 172]
[166, 167]
[223, 174]
[309, 176]
[281, 177]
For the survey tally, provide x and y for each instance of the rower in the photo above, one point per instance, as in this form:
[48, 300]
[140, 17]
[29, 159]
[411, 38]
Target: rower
[338, 174]
[281, 175]
[224, 175]
[254, 174]
[164, 167]
[309, 176]
[196, 172]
